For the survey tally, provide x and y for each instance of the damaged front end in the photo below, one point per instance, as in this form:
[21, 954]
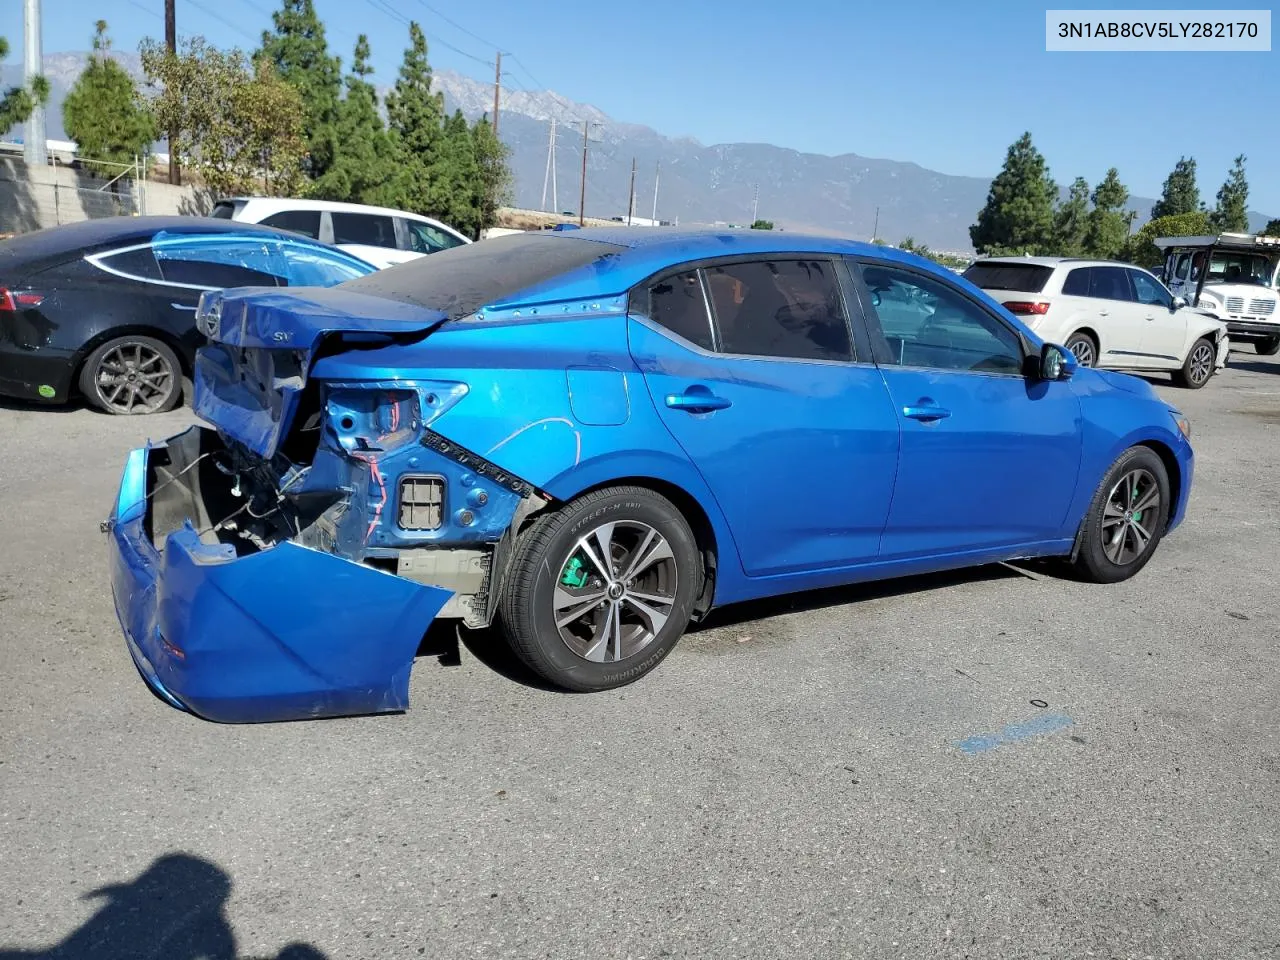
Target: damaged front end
[287, 564]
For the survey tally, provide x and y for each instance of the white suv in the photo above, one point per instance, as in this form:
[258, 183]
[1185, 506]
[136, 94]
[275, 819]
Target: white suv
[1108, 314]
[378, 235]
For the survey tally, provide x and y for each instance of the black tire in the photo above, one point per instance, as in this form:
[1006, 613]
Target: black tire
[1084, 348]
[1198, 368]
[544, 557]
[156, 384]
[1268, 347]
[1096, 558]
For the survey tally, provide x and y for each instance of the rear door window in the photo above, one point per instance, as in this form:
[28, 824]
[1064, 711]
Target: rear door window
[364, 229]
[1019, 277]
[305, 222]
[789, 309]
[215, 262]
[138, 263]
[1110, 283]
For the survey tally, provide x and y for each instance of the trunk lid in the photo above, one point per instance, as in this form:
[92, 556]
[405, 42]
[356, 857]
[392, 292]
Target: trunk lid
[250, 377]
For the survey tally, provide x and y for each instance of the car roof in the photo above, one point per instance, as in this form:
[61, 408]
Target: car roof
[1057, 262]
[289, 203]
[89, 235]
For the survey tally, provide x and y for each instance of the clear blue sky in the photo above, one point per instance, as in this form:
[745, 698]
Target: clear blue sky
[947, 85]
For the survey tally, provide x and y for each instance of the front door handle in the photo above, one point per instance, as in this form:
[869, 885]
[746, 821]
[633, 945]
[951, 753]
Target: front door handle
[926, 413]
[696, 401]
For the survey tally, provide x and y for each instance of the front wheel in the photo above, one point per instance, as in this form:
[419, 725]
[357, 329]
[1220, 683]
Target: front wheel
[1268, 347]
[600, 590]
[1198, 367]
[1125, 520]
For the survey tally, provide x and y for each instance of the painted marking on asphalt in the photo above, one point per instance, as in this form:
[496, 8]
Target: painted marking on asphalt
[1014, 732]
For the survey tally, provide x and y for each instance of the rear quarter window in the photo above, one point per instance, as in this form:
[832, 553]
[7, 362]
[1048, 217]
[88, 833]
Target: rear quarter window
[1019, 277]
[461, 280]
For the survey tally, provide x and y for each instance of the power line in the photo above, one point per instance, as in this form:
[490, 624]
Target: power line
[223, 20]
[153, 13]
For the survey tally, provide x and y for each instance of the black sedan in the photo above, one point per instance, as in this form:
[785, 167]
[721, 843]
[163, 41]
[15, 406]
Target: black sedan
[105, 309]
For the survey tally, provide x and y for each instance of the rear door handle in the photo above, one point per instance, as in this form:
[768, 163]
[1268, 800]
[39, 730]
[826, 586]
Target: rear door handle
[701, 401]
[926, 413]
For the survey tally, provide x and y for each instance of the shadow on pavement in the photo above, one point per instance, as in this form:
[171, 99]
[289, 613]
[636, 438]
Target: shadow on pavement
[176, 909]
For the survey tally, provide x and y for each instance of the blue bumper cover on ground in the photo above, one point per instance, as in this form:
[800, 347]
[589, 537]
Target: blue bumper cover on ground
[284, 634]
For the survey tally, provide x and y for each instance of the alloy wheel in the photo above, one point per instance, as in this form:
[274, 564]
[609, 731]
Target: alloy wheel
[615, 591]
[1083, 351]
[1129, 518]
[134, 377]
[1201, 364]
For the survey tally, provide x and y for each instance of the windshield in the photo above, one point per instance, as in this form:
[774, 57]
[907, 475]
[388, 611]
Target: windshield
[1250, 268]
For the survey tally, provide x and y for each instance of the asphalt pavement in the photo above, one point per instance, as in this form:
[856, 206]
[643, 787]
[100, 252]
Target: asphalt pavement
[981, 765]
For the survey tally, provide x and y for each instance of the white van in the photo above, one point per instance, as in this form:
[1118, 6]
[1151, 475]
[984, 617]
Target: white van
[378, 235]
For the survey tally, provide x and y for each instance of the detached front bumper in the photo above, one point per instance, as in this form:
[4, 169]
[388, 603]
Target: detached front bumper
[286, 633]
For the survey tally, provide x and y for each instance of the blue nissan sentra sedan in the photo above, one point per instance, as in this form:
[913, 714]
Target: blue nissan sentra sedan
[586, 439]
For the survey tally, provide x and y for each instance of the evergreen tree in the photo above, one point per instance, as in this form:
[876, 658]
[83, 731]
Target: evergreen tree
[415, 118]
[1272, 229]
[1232, 212]
[454, 175]
[1018, 216]
[493, 180]
[298, 51]
[1072, 219]
[16, 103]
[102, 112]
[363, 169]
[1180, 195]
[1108, 224]
[1141, 248]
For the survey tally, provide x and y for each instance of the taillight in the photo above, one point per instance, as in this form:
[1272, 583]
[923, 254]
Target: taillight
[12, 301]
[1025, 308]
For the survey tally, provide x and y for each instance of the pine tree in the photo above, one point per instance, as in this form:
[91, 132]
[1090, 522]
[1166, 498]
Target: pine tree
[1231, 215]
[1018, 216]
[454, 175]
[1072, 219]
[363, 169]
[16, 103]
[1180, 195]
[298, 51]
[1108, 224]
[415, 118]
[1272, 229]
[494, 180]
[102, 111]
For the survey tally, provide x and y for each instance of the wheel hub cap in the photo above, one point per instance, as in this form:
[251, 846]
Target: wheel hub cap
[1125, 537]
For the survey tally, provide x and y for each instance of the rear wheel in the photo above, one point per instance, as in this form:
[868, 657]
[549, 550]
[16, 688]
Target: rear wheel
[132, 375]
[1083, 347]
[1198, 367]
[600, 590]
[1268, 347]
[1125, 520]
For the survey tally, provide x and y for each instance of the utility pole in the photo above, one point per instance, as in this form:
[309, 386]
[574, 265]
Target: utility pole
[497, 88]
[35, 147]
[550, 175]
[171, 43]
[582, 197]
[631, 193]
[755, 205]
[657, 170]
[875, 230]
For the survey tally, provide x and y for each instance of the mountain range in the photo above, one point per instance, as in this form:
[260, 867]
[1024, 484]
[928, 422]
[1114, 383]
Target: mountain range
[849, 195]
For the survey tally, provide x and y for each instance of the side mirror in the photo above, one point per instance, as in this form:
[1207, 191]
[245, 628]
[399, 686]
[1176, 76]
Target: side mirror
[1057, 362]
[1179, 303]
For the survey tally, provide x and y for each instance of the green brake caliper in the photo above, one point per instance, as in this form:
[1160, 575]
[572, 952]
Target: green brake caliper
[574, 574]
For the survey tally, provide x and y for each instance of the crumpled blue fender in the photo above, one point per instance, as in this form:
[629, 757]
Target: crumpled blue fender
[285, 634]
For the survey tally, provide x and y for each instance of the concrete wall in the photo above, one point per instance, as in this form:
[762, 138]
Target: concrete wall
[32, 200]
